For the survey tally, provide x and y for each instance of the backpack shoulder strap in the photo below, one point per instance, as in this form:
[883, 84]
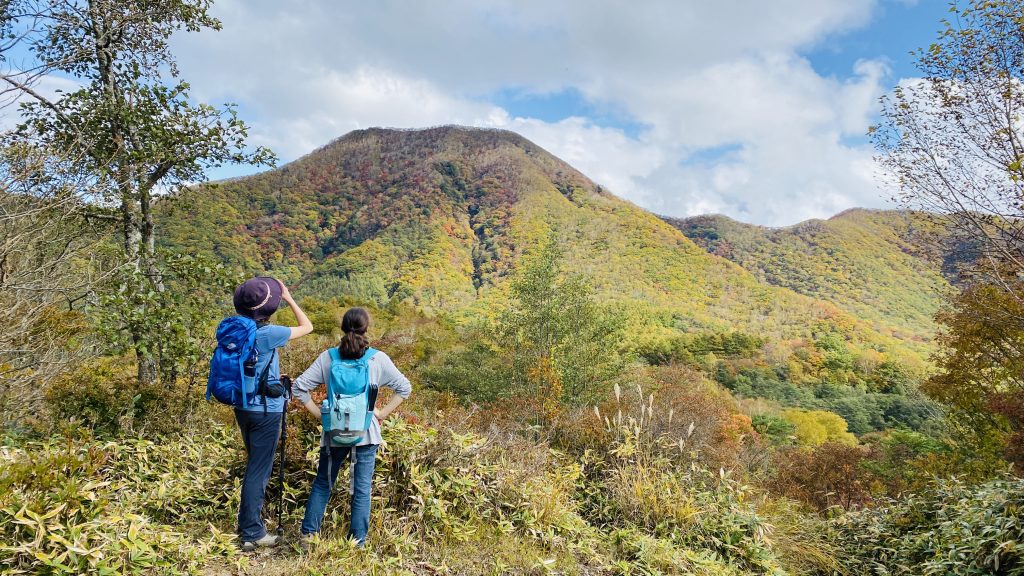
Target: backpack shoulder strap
[335, 359]
[368, 354]
[371, 389]
[266, 370]
[261, 384]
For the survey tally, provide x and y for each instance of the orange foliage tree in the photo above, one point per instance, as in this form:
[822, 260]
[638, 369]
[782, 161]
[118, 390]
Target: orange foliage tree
[828, 476]
[982, 366]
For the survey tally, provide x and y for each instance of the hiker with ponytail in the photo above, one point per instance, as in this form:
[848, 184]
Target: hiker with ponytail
[353, 327]
[352, 372]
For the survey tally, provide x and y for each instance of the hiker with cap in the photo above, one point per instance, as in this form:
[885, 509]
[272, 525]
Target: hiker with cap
[259, 419]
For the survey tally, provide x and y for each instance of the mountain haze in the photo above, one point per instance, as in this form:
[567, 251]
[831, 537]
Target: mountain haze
[441, 218]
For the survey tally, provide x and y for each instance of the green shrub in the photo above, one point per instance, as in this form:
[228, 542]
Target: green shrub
[105, 396]
[90, 507]
[950, 529]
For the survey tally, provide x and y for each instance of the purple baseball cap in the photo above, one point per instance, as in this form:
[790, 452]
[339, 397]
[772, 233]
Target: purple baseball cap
[258, 298]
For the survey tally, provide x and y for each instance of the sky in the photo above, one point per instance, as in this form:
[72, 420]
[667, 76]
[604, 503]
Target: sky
[756, 110]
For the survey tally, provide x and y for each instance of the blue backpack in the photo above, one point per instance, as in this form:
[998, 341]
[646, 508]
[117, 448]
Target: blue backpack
[347, 411]
[235, 354]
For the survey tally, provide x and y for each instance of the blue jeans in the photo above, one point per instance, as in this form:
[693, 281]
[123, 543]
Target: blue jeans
[364, 459]
[260, 433]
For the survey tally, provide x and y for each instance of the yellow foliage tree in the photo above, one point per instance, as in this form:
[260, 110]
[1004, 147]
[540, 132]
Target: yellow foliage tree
[815, 427]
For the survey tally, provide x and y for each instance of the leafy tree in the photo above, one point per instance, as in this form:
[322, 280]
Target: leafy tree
[777, 430]
[130, 124]
[952, 140]
[561, 345]
[981, 367]
[891, 377]
[815, 427]
[838, 359]
[954, 146]
[178, 318]
[858, 414]
[551, 346]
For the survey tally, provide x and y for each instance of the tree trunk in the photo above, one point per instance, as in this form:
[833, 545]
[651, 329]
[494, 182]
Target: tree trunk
[149, 364]
[135, 206]
[141, 259]
[147, 373]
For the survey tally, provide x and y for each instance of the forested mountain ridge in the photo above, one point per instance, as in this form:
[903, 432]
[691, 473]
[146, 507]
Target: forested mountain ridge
[596, 390]
[864, 261]
[439, 218]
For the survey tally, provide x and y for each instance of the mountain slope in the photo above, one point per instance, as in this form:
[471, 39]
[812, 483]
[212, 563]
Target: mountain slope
[860, 260]
[440, 218]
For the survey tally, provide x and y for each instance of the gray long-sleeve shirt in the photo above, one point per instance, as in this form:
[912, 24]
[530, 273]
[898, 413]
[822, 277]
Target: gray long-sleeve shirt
[383, 373]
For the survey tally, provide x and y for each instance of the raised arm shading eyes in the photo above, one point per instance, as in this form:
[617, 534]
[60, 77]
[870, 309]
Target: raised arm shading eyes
[305, 326]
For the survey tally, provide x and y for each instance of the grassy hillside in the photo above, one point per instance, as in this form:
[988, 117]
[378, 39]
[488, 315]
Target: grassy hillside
[440, 218]
[449, 500]
[446, 502]
[860, 260]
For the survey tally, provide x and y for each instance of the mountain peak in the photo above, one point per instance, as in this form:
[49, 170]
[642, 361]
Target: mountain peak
[453, 201]
[449, 131]
[379, 156]
[449, 137]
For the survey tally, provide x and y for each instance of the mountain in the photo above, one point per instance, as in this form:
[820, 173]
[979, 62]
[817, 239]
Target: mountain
[440, 219]
[861, 260]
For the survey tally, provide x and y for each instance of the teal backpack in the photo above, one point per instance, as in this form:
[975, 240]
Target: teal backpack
[347, 411]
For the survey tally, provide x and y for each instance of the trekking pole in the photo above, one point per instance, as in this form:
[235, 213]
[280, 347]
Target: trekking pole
[284, 440]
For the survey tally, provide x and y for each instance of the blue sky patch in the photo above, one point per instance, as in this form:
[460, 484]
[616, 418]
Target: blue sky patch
[556, 106]
[713, 155]
[897, 28]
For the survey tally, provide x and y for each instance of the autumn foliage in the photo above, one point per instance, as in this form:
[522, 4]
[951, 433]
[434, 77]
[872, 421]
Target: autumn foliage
[981, 369]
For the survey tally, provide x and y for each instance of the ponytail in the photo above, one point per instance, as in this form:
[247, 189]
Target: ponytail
[354, 342]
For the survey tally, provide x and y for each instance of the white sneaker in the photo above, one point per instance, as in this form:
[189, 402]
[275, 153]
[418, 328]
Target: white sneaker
[268, 541]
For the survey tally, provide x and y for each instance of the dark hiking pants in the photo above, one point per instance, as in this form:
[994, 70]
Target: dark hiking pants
[260, 433]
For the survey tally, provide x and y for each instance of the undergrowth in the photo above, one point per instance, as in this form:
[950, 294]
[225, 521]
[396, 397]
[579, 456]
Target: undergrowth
[444, 501]
[450, 501]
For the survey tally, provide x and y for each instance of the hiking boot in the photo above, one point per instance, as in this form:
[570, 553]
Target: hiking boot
[305, 541]
[268, 541]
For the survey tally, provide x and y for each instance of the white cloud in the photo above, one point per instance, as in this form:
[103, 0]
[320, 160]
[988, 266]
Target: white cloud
[734, 120]
[338, 102]
[789, 124]
[47, 86]
[605, 155]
